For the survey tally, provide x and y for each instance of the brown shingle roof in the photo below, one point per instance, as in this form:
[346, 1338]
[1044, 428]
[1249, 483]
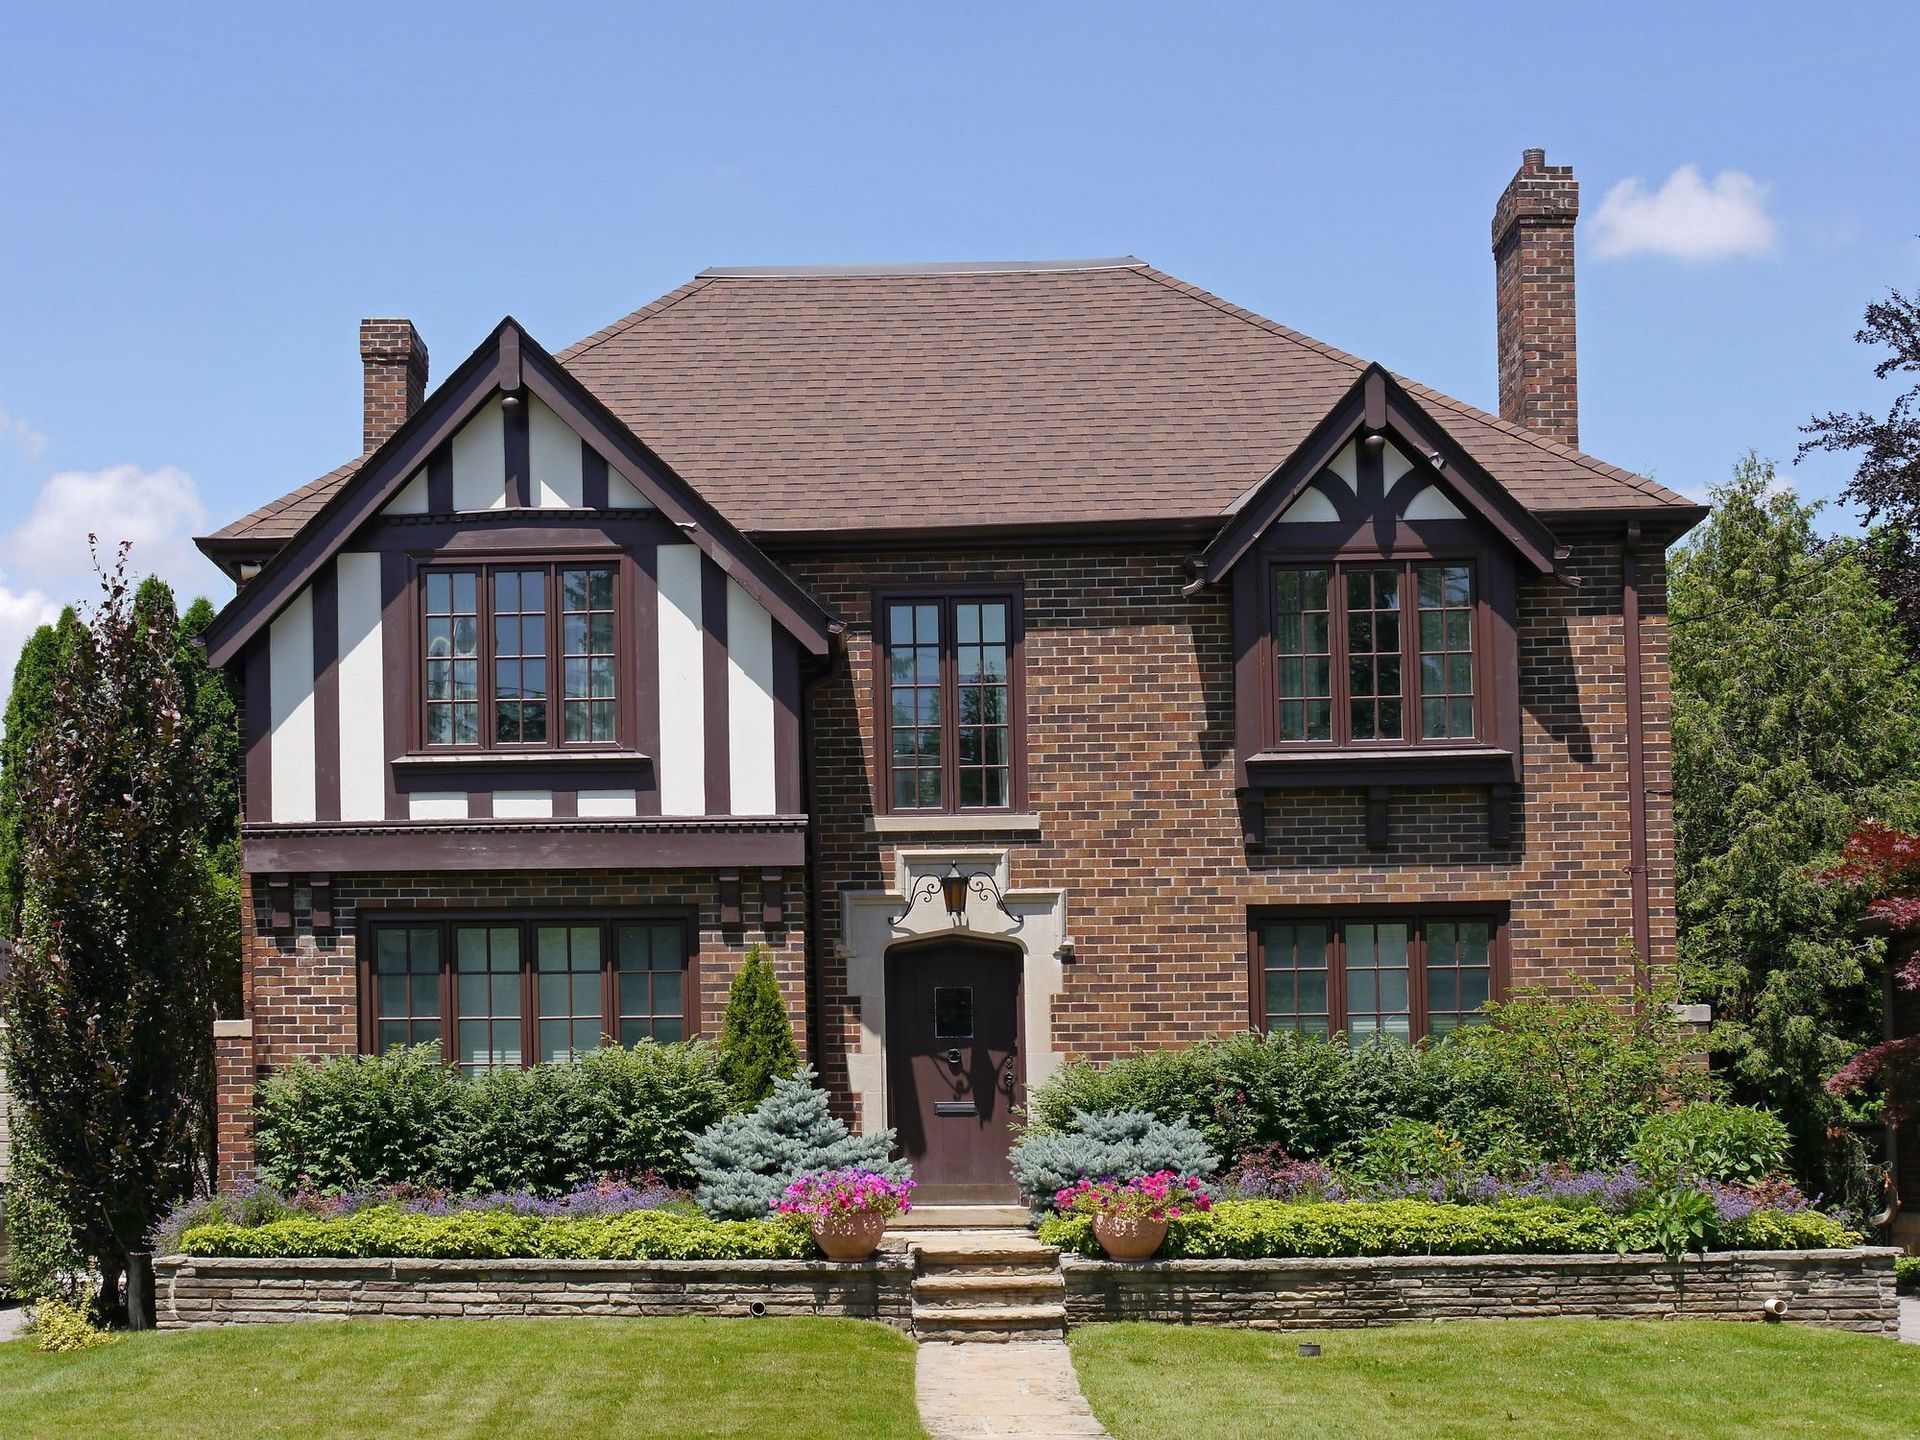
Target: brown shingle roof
[908, 397]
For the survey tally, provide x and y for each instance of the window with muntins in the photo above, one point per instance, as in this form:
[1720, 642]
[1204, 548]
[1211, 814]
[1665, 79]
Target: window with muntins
[496, 638]
[506, 993]
[1373, 653]
[1403, 976]
[948, 702]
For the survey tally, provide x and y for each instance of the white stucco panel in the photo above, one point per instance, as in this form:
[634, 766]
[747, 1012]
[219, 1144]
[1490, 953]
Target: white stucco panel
[553, 459]
[363, 700]
[480, 462]
[290, 717]
[682, 762]
[750, 741]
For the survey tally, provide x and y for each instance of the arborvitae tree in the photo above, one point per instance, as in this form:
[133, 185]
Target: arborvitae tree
[1796, 711]
[746, 1161]
[756, 1038]
[108, 1007]
[27, 708]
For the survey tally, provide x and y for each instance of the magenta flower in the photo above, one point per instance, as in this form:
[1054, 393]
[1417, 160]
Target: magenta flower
[836, 1194]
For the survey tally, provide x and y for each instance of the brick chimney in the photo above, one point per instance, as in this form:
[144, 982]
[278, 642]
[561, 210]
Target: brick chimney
[393, 360]
[1533, 287]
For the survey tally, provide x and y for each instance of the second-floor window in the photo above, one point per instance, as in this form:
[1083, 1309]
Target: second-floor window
[949, 696]
[1374, 653]
[520, 656]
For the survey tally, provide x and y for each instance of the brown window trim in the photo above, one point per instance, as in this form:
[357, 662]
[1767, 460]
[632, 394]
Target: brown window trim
[446, 921]
[944, 596]
[1337, 567]
[626, 668]
[1497, 915]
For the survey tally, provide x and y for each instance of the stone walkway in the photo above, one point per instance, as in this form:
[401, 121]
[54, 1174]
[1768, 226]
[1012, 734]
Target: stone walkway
[13, 1323]
[1023, 1388]
[1910, 1319]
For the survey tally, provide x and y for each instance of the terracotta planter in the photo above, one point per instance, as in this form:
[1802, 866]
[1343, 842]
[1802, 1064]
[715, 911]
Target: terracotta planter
[1126, 1238]
[851, 1237]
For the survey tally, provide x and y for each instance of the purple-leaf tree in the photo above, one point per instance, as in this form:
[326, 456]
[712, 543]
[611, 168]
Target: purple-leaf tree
[1886, 863]
[108, 1007]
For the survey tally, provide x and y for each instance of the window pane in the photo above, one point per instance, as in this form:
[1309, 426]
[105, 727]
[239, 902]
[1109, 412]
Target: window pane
[1302, 653]
[650, 959]
[1378, 981]
[450, 641]
[1295, 956]
[1459, 973]
[1373, 653]
[1446, 652]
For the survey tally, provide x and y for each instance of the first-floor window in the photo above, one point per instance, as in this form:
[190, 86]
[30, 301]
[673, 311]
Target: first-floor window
[1400, 975]
[495, 993]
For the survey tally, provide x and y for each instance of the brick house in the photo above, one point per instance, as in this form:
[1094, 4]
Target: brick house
[1040, 660]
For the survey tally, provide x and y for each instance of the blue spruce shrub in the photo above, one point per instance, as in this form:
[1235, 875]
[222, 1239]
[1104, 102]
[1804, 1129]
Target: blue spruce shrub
[1119, 1145]
[746, 1161]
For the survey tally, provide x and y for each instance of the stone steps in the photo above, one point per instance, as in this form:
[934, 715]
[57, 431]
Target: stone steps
[962, 1217]
[987, 1285]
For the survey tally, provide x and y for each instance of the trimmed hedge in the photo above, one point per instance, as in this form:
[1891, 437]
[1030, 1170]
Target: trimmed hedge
[1906, 1274]
[387, 1233]
[359, 1122]
[1271, 1229]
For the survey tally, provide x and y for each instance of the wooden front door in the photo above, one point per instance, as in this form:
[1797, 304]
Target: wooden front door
[954, 1068]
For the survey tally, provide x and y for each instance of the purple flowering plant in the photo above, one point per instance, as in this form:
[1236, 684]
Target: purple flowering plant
[839, 1194]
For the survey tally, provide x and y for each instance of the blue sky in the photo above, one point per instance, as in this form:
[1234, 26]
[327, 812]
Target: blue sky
[200, 202]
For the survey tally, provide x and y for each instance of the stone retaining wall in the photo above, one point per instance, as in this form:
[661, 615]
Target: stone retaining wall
[1837, 1289]
[191, 1291]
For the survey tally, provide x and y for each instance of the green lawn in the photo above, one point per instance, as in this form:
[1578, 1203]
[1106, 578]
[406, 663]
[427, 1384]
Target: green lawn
[1536, 1378]
[425, 1378]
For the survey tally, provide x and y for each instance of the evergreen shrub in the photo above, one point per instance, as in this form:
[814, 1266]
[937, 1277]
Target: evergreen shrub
[756, 1037]
[746, 1162]
[1120, 1146]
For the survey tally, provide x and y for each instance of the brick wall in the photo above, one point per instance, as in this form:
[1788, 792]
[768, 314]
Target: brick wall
[1534, 298]
[302, 985]
[1130, 694]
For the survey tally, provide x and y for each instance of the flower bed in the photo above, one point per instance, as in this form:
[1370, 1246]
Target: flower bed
[1263, 1229]
[387, 1231]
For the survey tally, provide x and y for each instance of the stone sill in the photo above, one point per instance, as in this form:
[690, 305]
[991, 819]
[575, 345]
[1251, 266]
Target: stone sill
[998, 823]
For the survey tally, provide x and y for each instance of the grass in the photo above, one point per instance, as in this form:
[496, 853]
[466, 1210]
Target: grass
[423, 1379]
[1534, 1378]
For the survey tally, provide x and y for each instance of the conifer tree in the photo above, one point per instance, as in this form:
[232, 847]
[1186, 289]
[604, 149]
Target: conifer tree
[26, 718]
[746, 1161]
[756, 1038]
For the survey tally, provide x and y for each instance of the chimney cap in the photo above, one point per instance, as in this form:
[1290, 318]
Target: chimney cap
[1534, 157]
[392, 338]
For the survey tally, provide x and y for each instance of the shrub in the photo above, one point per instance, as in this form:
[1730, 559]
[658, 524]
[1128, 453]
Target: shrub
[407, 1118]
[746, 1162]
[1735, 1144]
[1117, 1146]
[385, 1231]
[43, 1258]
[61, 1328]
[1267, 1172]
[1407, 1151]
[1906, 1274]
[756, 1037]
[1266, 1229]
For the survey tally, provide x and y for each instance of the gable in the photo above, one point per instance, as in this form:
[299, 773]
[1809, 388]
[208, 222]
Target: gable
[1376, 458]
[511, 430]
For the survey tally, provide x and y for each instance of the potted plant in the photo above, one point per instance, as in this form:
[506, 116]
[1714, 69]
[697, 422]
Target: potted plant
[1130, 1219]
[848, 1210]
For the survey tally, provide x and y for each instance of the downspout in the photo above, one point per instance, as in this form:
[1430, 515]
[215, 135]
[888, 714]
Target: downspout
[1636, 752]
[815, 1008]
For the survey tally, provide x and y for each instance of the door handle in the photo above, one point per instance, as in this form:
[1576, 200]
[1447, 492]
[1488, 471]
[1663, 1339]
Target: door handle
[953, 1058]
[1006, 1073]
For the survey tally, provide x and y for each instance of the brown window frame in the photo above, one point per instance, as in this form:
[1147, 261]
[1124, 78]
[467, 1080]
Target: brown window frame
[527, 922]
[625, 658]
[946, 597]
[1340, 737]
[1337, 918]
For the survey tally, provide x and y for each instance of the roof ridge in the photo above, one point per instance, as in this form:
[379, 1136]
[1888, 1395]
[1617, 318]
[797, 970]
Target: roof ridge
[1640, 484]
[627, 322]
[892, 270]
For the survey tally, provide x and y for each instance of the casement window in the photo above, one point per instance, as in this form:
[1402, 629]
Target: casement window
[496, 993]
[1373, 653]
[520, 656]
[1404, 975]
[950, 698]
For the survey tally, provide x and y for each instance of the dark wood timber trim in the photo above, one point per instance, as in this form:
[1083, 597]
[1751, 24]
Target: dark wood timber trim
[522, 770]
[480, 804]
[1378, 799]
[645, 609]
[516, 427]
[506, 361]
[1497, 913]
[257, 712]
[488, 844]
[440, 480]
[326, 692]
[481, 533]
[717, 707]
[398, 637]
[566, 804]
[1356, 769]
[1636, 749]
[728, 882]
[593, 478]
[1377, 403]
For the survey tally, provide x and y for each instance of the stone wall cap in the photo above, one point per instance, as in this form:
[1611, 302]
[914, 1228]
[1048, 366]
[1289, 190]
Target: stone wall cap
[1464, 1262]
[238, 1264]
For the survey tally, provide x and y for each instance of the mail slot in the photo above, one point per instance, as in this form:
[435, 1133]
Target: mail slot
[954, 1107]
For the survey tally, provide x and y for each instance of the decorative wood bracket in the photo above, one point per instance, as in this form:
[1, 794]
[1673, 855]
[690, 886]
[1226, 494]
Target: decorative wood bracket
[1377, 798]
[279, 902]
[1500, 815]
[729, 897]
[321, 888]
[773, 897]
[1253, 816]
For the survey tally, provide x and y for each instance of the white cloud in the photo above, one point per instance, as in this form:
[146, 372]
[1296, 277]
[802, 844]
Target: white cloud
[1687, 217]
[18, 432]
[45, 562]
